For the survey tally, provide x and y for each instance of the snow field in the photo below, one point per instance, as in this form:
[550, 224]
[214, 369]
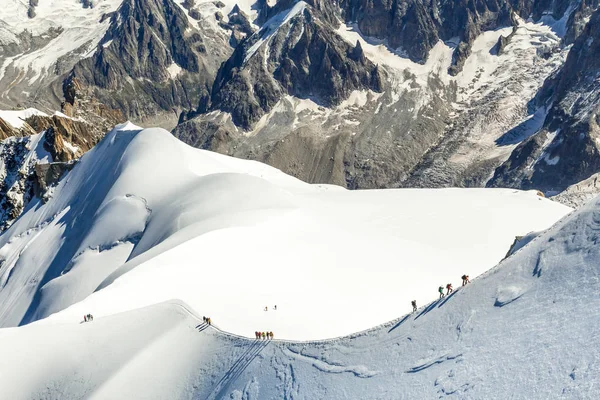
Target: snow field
[318, 267]
[504, 335]
[229, 237]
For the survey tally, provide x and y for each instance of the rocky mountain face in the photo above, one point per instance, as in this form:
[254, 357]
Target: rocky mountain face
[151, 60]
[40, 44]
[432, 122]
[297, 53]
[98, 63]
[493, 114]
[567, 148]
[31, 163]
[148, 59]
[580, 193]
[415, 26]
[16, 179]
[365, 94]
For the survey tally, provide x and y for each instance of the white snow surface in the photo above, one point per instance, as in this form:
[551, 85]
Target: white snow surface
[208, 9]
[438, 60]
[144, 218]
[16, 118]
[174, 70]
[527, 329]
[80, 26]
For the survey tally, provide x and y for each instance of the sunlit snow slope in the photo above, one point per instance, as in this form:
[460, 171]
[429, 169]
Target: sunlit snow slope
[527, 329]
[148, 219]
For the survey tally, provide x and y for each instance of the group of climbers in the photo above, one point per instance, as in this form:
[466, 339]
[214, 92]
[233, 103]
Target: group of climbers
[259, 335]
[269, 335]
[449, 289]
[263, 335]
[88, 318]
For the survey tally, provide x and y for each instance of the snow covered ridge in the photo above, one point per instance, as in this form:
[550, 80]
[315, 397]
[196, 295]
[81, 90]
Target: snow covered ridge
[524, 330]
[17, 118]
[229, 237]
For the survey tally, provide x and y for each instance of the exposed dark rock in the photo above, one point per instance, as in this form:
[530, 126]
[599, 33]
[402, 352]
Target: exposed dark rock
[415, 26]
[21, 176]
[372, 144]
[566, 149]
[16, 182]
[31, 10]
[303, 57]
[236, 38]
[239, 21]
[579, 18]
[48, 175]
[151, 62]
[239, 24]
[498, 49]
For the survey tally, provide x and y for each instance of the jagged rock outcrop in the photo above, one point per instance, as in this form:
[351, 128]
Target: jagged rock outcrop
[151, 61]
[48, 175]
[7, 130]
[370, 140]
[567, 149]
[503, 41]
[297, 53]
[146, 58]
[16, 179]
[440, 147]
[27, 170]
[239, 24]
[27, 151]
[425, 130]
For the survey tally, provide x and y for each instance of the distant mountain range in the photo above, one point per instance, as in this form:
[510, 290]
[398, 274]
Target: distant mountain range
[364, 94]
